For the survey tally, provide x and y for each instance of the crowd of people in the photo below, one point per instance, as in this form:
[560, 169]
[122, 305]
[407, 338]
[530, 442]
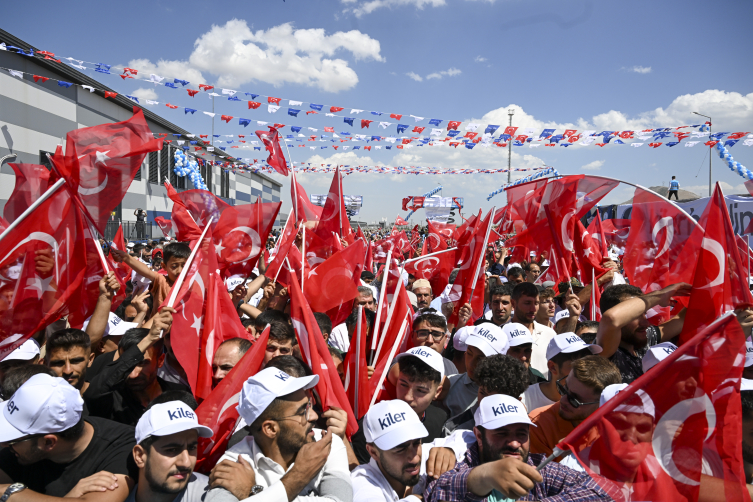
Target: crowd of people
[470, 412]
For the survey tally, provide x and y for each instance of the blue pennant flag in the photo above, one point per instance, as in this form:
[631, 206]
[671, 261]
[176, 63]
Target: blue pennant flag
[194, 142]
[388, 147]
[103, 70]
[316, 107]
[356, 147]
[170, 84]
[253, 96]
[216, 135]
[233, 98]
[731, 142]
[401, 128]
[718, 135]
[546, 133]
[295, 128]
[453, 133]
[223, 148]
[491, 129]
[376, 138]
[345, 133]
[133, 98]
[518, 143]
[185, 147]
[348, 120]
[177, 135]
[244, 122]
[661, 135]
[181, 82]
[671, 143]
[504, 137]
[190, 110]
[293, 112]
[618, 141]
[470, 146]
[68, 84]
[376, 113]
[566, 144]
[556, 139]
[257, 148]
[435, 122]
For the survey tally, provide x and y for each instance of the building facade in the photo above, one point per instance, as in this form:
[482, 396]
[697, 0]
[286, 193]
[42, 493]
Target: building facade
[35, 117]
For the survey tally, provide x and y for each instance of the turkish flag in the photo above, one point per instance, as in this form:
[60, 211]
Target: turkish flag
[118, 242]
[192, 210]
[597, 234]
[453, 124]
[303, 209]
[273, 100]
[32, 180]
[165, 225]
[334, 218]
[219, 410]
[721, 278]
[335, 109]
[396, 116]
[616, 232]
[471, 269]
[315, 353]
[284, 244]
[406, 200]
[356, 374]
[101, 162]
[655, 437]
[276, 159]
[510, 131]
[331, 282]
[662, 246]
[587, 254]
[400, 221]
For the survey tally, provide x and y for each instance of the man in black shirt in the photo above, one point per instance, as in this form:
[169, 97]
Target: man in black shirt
[623, 329]
[418, 384]
[52, 450]
[122, 389]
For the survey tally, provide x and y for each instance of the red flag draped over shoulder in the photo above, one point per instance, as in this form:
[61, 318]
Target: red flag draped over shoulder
[276, 159]
[100, 162]
[655, 437]
[32, 180]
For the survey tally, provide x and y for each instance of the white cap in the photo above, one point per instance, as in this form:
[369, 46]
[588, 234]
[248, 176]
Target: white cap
[391, 423]
[661, 351]
[25, 352]
[460, 338]
[746, 384]
[427, 355]
[412, 297]
[631, 405]
[500, 410]
[234, 281]
[130, 245]
[561, 315]
[489, 339]
[517, 334]
[115, 325]
[610, 391]
[42, 405]
[568, 343]
[169, 418]
[261, 389]
[748, 353]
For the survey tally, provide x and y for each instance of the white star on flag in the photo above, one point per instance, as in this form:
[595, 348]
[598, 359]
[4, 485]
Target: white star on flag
[102, 157]
[198, 324]
[40, 285]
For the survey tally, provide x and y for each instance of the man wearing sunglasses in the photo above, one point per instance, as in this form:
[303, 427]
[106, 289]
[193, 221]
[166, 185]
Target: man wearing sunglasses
[284, 457]
[580, 391]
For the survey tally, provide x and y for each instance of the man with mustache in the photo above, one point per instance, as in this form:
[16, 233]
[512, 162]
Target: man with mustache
[498, 466]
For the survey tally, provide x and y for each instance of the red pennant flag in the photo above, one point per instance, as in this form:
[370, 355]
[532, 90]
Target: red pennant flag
[203, 135]
[279, 126]
[37, 78]
[226, 118]
[335, 109]
[653, 441]
[192, 92]
[510, 131]
[652, 145]
[396, 116]
[329, 129]
[273, 100]
[219, 410]
[419, 130]
[569, 132]
[276, 159]
[32, 180]
[365, 123]
[709, 144]
[109, 94]
[206, 87]
[253, 105]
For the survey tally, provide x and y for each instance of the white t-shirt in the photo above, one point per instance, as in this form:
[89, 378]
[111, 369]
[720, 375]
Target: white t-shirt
[339, 338]
[533, 398]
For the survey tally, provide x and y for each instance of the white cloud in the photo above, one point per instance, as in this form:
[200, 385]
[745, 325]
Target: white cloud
[479, 59]
[142, 93]
[414, 76]
[638, 69]
[593, 166]
[236, 55]
[367, 7]
[452, 72]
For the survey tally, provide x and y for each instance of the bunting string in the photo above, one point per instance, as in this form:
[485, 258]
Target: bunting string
[427, 194]
[546, 171]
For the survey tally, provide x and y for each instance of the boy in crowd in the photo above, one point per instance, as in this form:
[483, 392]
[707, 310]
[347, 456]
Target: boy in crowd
[68, 354]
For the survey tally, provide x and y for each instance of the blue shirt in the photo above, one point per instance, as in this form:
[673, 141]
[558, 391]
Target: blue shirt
[674, 185]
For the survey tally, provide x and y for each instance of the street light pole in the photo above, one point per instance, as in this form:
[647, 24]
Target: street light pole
[510, 112]
[710, 153]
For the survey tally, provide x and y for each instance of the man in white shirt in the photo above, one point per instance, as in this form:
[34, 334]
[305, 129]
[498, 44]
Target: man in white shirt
[563, 349]
[284, 458]
[525, 303]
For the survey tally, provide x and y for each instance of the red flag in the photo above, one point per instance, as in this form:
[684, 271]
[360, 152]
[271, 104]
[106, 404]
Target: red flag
[616, 232]
[118, 242]
[453, 124]
[721, 279]
[653, 438]
[219, 410]
[396, 116]
[287, 240]
[303, 209]
[32, 180]
[334, 218]
[597, 234]
[587, 254]
[331, 282]
[316, 354]
[335, 109]
[165, 225]
[276, 159]
[356, 374]
[273, 100]
[400, 221]
[101, 161]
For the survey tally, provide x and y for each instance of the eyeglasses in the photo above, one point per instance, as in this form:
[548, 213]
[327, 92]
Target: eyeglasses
[574, 401]
[424, 334]
[18, 441]
[304, 413]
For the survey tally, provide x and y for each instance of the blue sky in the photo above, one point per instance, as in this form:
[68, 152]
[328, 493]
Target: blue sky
[579, 64]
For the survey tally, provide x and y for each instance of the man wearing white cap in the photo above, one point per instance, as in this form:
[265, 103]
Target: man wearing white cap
[498, 465]
[657, 353]
[397, 466]
[50, 449]
[520, 344]
[525, 302]
[284, 457]
[563, 349]
[26, 353]
[486, 340]
[167, 437]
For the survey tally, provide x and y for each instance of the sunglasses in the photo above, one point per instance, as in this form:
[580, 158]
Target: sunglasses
[574, 401]
[21, 440]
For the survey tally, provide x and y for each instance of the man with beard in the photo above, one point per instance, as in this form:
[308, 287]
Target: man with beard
[167, 440]
[622, 329]
[580, 391]
[284, 457]
[500, 304]
[68, 354]
[498, 465]
[525, 304]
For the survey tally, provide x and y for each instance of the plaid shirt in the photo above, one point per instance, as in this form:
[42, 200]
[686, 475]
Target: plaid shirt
[560, 484]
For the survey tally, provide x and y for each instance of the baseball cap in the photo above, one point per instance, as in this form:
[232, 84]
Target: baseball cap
[428, 356]
[568, 343]
[746, 384]
[489, 339]
[640, 402]
[421, 283]
[661, 351]
[234, 281]
[169, 418]
[42, 405]
[548, 284]
[561, 315]
[610, 391]
[748, 353]
[115, 325]
[24, 352]
[130, 245]
[460, 338]
[517, 334]
[261, 389]
[412, 298]
[391, 423]
[500, 410]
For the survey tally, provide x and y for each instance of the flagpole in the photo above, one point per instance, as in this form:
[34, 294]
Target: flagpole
[295, 189]
[390, 311]
[560, 252]
[184, 272]
[747, 251]
[428, 255]
[303, 260]
[358, 359]
[483, 253]
[593, 293]
[397, 343]
[50, 191]
[382, 292]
